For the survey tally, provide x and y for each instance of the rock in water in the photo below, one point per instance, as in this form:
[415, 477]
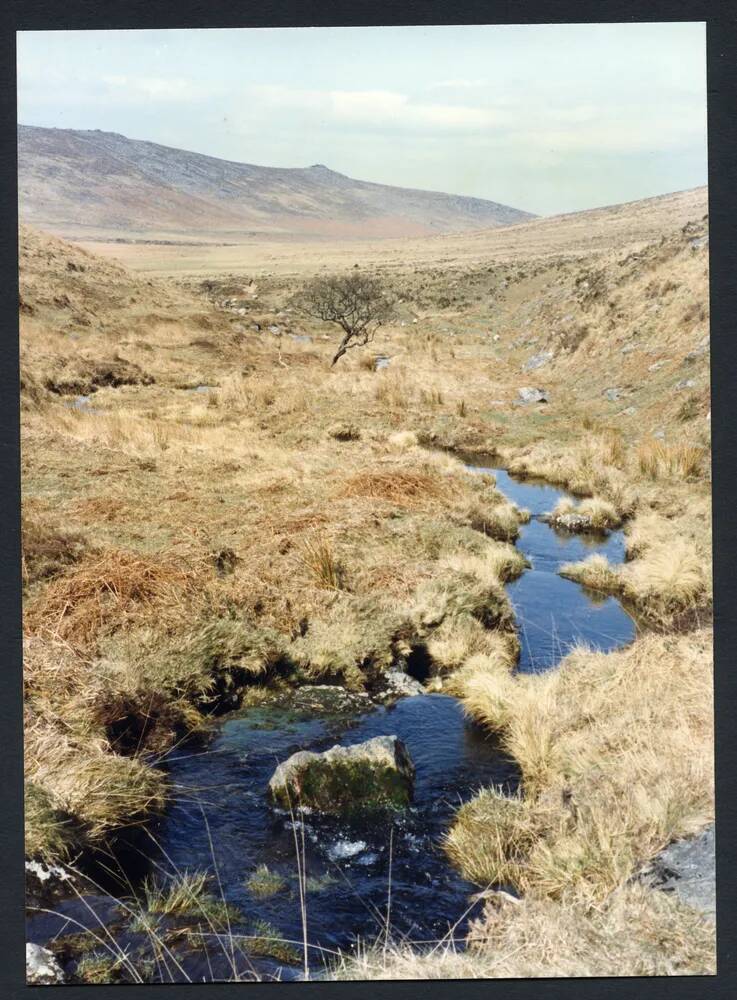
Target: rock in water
[571, 521]
[399, 685]
[377, 774]
[42, 968]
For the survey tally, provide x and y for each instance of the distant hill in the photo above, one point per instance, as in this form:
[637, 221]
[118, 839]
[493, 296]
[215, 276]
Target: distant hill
[105, 185]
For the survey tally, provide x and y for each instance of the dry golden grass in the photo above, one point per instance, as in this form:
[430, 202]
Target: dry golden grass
[600, 514]
[109, 591]
[636, 932]
[47, 551]
[91, 787]
[583, 826]
[405, 489]
[135, 632]
[682, 460]
[319, 558]
[668, 579]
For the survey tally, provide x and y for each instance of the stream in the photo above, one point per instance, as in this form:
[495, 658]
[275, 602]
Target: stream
[221, 820]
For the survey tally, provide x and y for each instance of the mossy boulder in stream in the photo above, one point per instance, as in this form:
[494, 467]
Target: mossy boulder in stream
[378, 774]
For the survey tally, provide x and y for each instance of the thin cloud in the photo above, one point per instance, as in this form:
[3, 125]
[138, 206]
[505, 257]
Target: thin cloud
[378, 108]
[154, 88]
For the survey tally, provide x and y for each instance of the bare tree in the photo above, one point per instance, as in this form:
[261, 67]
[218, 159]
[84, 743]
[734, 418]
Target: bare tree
[356, 302]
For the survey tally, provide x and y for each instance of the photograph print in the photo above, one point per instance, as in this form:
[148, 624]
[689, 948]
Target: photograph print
[366, 503]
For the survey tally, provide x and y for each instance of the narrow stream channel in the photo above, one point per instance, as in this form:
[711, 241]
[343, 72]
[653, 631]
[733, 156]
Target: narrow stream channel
[554, 614]
[222, 820]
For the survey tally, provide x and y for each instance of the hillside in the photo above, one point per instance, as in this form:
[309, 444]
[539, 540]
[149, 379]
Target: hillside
[101, 183]
[215, 518]
[578, 235]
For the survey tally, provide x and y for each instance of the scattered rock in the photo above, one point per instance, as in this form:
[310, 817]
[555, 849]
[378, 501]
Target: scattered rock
[399, 685]
[698, 351]
[687, 867]
[42, 968]
[613, 394]
[530, 395]
[537, 361]
[369, 776]
[660, 435]
[496, 338]
[685, 383]
[324, 699]
[698, 243]
[657, 365]
[628, 348]
[629, 412]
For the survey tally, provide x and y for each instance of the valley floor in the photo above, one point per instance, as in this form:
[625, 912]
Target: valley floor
[210, 511]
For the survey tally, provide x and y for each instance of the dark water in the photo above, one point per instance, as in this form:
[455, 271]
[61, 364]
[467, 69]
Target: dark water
[452, 758]
[222, 821]
[555, 614]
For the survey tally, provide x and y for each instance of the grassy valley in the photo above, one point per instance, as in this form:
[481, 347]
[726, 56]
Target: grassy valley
[212, 513]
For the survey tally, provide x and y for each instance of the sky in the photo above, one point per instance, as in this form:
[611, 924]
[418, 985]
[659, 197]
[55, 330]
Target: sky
[546, 118]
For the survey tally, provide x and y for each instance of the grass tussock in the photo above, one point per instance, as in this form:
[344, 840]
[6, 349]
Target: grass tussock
[497, 519]
[99, 968]
[498, 562]
[87, 790]
[265, 882]
[658, 460]
[463, 643]
[352, 643]
[615, 752]
[596, 514]
[324, 567]
[667, 580]
[458, 595]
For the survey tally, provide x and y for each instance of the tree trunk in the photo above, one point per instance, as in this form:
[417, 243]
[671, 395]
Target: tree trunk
[342, 349]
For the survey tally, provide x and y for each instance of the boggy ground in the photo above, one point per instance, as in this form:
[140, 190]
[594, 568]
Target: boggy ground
[184, 548]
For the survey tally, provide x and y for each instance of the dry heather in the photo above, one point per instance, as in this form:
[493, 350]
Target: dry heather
[223, 512]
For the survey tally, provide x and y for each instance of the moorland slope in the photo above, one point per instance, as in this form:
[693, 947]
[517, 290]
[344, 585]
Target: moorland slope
[222, 515]
[74, 182]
